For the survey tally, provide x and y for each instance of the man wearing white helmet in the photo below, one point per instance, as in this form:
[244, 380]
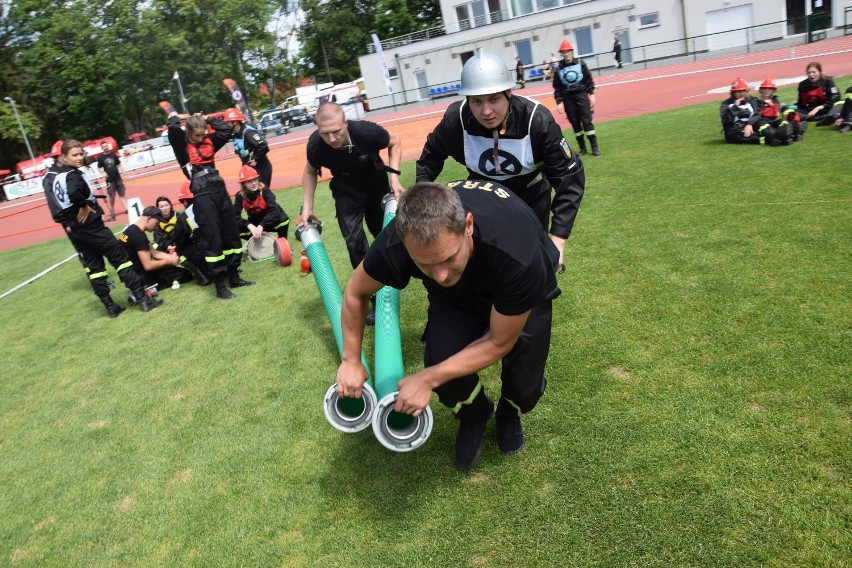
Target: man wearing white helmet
[508, 139]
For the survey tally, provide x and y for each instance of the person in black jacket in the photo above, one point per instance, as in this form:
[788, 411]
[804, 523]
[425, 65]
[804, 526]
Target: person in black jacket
[741, 120]
[260, 205]
[249, 145]
[574, 91]
[195, 151]
[818, 96]
[72, 203]
[616, 49]
[786, 121]
[511, 140]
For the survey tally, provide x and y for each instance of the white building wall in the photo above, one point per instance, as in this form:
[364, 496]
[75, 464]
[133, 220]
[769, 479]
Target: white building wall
[440, 59]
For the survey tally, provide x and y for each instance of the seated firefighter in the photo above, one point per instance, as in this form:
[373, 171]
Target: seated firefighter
[263, 212]
[154, 267]
[164, 232]
[777, 115]
[742, 122]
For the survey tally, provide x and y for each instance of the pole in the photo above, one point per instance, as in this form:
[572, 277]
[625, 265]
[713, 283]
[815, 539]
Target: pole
[176, 77]
[11, 101]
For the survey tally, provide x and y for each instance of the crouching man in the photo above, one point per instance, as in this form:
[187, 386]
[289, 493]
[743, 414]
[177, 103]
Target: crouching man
[154, 267]
[489, 269]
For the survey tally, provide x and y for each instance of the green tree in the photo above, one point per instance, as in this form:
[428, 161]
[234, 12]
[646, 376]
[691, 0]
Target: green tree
[333, 34]
[393, 19]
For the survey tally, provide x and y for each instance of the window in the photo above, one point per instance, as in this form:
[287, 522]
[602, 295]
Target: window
[584, 41]
[648, 20]
[547, 4]
[472, 15]
[392, 72]
[521, 7]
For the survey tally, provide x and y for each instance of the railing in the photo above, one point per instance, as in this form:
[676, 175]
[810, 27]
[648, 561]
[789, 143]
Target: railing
[732, 42]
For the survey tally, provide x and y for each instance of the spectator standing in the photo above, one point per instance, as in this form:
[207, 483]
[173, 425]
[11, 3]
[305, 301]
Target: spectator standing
[519, 72]
[616, 49]
[109, 164]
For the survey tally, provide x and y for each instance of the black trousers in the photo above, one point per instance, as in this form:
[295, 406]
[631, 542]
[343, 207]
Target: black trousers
[264, 170]
[218, 228]
[356, 201]
[93, 241]
[164, 277]
[579, 111]
[454, 323]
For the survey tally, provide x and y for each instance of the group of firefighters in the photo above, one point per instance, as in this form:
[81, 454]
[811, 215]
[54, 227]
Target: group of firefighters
[765, 120]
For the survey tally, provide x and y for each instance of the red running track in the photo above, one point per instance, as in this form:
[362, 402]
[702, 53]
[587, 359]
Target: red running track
[623, 93]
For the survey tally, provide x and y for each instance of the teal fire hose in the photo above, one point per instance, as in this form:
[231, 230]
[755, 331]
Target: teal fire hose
[394, 430]
[345, 414]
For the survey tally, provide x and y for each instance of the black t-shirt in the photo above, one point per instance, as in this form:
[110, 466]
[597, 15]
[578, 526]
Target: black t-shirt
[367, 139]
[134, 239]
[513, 265]
[109, 162]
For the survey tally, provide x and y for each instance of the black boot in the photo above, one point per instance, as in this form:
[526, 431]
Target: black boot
[581, 144]
[222, 290]
[200, 278]
[510, 434]
[235, 281]
[472, 430]
[784, 134]
[593, 140]
[112, 308]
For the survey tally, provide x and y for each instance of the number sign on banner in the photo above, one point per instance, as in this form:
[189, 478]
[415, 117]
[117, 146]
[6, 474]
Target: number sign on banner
[134, 210]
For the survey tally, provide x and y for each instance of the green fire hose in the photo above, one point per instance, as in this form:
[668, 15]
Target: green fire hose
[395, 431]
[345, 414]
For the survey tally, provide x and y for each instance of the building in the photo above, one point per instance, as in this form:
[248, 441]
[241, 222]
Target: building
[428, 63]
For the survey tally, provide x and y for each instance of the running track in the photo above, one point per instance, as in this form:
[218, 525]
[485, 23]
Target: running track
[624, 93]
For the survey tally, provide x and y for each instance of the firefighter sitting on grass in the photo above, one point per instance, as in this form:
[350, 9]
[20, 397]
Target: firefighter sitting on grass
[263, 212]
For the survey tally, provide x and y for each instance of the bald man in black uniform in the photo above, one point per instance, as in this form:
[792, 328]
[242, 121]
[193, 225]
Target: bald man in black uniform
[489, 269]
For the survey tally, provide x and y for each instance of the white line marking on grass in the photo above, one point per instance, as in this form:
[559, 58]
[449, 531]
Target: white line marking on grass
[37, 276]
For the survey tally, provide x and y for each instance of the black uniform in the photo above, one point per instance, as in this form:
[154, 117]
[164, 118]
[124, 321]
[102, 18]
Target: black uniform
[134, 240]
[616, 49]
[250, 145]
[736, 116]
[533, 154]
[786, 122]
[164, 233]
[262, 210]
[213, 207]
[512, 268]
[359, 182]
[811, 95]
[519, 73]
[66, 191]
[190, 246]
[572, 85]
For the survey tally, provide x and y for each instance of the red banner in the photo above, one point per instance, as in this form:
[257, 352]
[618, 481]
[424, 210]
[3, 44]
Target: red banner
[239, 100]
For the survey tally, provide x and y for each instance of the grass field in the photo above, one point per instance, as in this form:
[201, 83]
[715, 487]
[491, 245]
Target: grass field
[698, 411]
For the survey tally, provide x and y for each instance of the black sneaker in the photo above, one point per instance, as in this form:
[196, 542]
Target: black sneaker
[469, 439]
[131, 299]
[510, 435]
[239, 282]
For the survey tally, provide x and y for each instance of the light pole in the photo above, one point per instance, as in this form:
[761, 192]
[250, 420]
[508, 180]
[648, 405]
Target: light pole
[11, 101]
[180, 88]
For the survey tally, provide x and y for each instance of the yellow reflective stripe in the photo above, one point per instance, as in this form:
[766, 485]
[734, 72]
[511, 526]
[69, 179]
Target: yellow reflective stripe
[515, 406]
[214, 258]
[762, 127]
[232, 251]
[127, 264]
[98, 275]
[279, 225]
[590, 132]
[182, 258]
[579, 134]
[469, 400]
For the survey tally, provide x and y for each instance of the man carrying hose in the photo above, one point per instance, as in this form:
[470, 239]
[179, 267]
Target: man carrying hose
[489, 269]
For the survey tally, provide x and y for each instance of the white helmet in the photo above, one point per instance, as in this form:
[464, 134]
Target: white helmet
[484, 74]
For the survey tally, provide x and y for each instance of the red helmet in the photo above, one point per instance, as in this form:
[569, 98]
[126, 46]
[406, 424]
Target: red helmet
[768, 83]
[234, 115]
[56, 149]
[248, 173]
[184, 192]
[566, 46]
[739, 84]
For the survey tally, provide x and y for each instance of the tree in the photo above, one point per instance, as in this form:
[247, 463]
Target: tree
[393, 19]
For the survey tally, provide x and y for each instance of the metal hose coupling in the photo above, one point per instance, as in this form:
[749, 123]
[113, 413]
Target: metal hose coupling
[350, 415]
[400, 432]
